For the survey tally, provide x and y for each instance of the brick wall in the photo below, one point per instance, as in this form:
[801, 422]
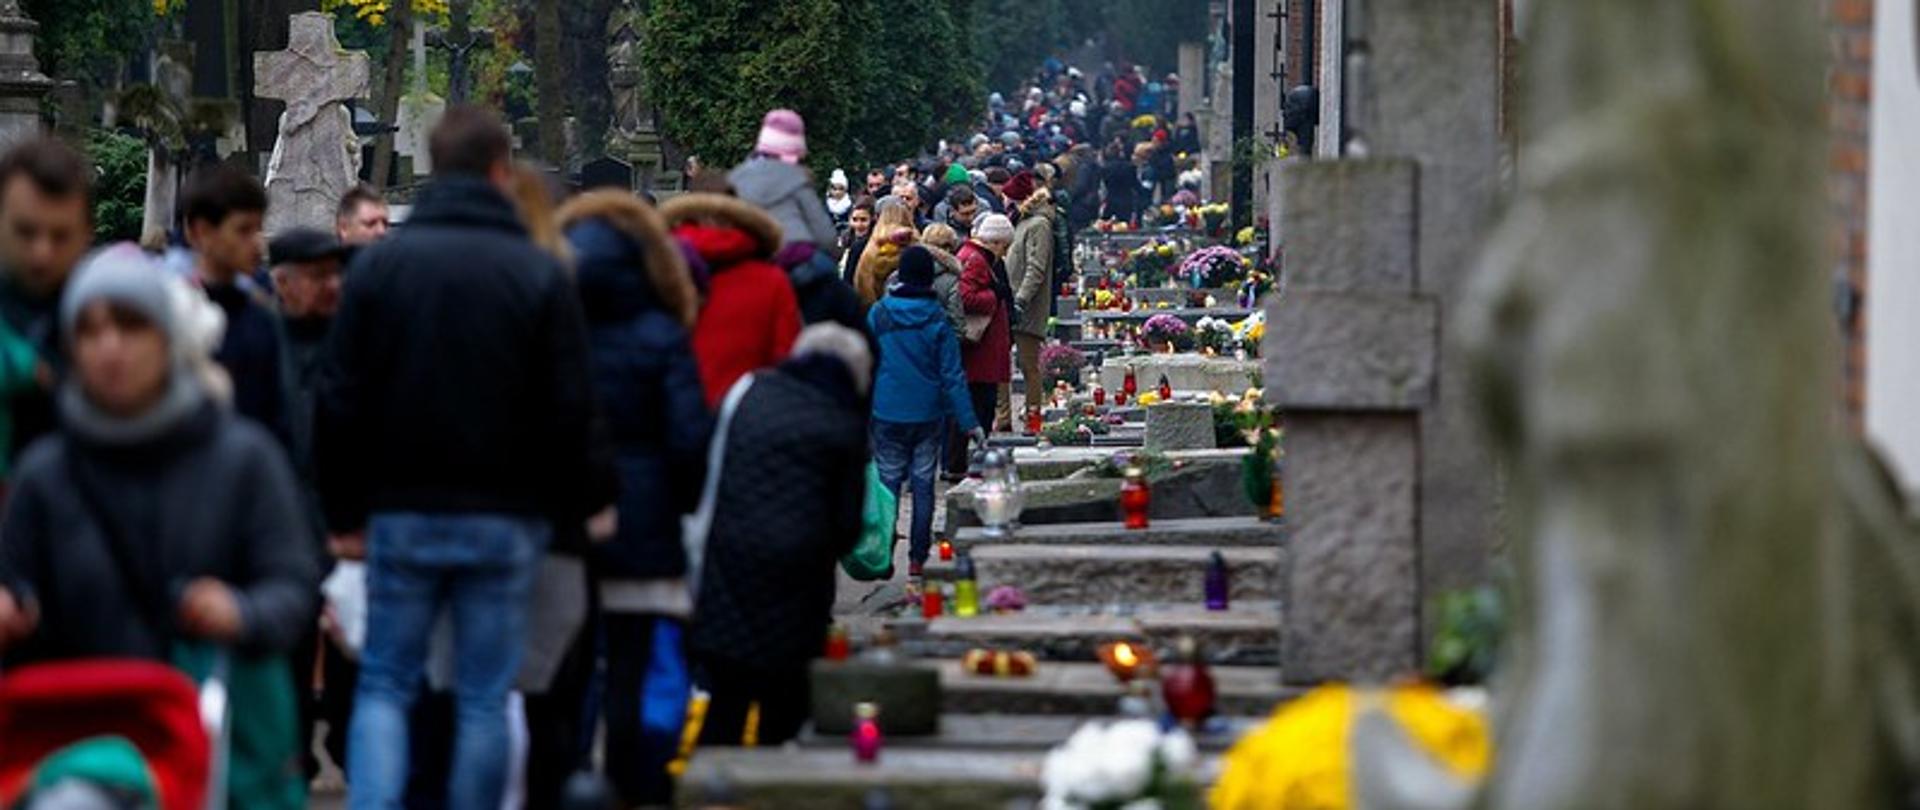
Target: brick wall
[1849, 107]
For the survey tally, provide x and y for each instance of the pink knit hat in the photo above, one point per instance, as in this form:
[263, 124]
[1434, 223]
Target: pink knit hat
[783, 135]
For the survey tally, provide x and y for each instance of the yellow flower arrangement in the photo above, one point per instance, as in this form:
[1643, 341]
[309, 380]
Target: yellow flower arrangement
[1298, 760]
[1245, 236]
[1148, 398]
[1145, 122]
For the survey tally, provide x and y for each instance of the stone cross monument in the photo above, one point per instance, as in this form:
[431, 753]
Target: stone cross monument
[21, 82]
[317, 157]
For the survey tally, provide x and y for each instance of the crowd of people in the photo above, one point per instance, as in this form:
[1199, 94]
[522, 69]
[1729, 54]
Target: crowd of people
[563, 458]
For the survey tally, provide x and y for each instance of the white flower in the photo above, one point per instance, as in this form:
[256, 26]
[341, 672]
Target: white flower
[1104, 763]
[1177, 751]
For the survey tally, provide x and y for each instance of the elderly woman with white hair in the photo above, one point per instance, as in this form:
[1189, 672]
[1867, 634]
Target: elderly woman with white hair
[783, 502]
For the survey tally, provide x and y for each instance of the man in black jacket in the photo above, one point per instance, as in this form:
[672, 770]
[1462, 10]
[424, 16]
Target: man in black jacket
[454, 427]
[224, 210]
[46, 225]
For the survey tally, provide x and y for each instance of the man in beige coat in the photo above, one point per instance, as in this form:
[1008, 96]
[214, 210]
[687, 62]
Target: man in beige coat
[1030, 270]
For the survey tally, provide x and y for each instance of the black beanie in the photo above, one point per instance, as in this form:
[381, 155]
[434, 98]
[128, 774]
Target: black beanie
[916, 269]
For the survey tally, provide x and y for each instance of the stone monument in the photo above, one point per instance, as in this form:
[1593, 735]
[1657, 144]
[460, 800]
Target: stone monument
[634, 134]
[316, 158]
[459, 40]
[1391, 497]
[22, 85]
[420, 110]
[173, 77]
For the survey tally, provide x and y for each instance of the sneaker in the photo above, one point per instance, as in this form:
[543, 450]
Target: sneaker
[916, 570]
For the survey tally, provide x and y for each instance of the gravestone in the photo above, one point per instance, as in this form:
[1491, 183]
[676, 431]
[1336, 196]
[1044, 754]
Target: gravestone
[22, 85]
[173, 77]
[606, 172]
[1180, 426]
[420, 111]
[316, 158]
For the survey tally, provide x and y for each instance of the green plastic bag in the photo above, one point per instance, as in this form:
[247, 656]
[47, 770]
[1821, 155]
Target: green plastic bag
[872, 559]
[264, 770]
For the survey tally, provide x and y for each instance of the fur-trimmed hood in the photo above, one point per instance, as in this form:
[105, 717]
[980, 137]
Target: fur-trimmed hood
[945, 264]
[645, 251]
[696, 212]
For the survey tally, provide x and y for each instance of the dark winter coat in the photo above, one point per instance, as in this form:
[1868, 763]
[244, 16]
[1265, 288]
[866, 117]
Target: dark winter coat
[37, 319]
[750, 317]
[1084, 198]
[1122, 182]
[305, 344]
[250, 352]
[985, 290]
[639, 302]
[457, 374]
[213, 496]
[918, 378]
[823, 297]
[788, 506]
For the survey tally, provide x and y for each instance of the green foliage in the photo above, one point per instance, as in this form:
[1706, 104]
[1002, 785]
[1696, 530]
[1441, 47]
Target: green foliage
[86, 40]
[1012, 37]
[1077, 430]
[1467, 642]
[717, 66]
[921, 82]
[121, 161]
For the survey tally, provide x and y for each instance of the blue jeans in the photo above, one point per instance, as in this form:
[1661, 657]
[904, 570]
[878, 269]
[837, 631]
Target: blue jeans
[904, 451]
[480, 568]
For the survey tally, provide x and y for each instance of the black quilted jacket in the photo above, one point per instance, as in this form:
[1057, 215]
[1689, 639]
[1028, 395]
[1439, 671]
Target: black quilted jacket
[791, 488]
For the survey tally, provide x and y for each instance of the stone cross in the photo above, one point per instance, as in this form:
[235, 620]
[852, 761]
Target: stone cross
[316, 158]
[459, 40]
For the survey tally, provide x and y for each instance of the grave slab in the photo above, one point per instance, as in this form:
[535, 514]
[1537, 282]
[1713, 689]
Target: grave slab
[1119, 574]
[1179, 426]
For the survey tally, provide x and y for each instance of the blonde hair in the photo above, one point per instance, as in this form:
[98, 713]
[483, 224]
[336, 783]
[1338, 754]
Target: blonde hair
[892, 232]
[942, 236]
[533, 199]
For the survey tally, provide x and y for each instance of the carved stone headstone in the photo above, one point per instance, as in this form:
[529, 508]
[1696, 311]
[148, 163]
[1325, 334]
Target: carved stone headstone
[316, 158]
[21, 83]
[420, 111]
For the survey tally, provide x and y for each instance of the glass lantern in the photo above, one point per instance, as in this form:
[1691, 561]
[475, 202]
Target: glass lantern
[998, 500]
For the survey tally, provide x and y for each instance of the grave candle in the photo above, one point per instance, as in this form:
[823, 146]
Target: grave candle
[865, 738]
[1099, 396]
[838, 648]
[1216, 585]
[966, 592]
[1135, 497]
[931, 606]
[1166, 389]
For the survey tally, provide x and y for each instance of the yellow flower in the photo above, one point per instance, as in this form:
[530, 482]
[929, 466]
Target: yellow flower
[1166, 250]
[1148, 398]
[1245, 236]
[1298, 760]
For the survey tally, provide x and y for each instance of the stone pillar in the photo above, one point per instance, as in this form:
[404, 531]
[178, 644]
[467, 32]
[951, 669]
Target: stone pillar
[1268, 65]
[1433, 95]
[1330, 72]
[1350, 363]
[1193, 77]
[22, 85]
[1392, 495]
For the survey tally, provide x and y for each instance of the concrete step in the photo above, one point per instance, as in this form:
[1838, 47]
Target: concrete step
[910, 773]
[1077, 688]
[1247, 635]
[1123, 574]
[1214, 532]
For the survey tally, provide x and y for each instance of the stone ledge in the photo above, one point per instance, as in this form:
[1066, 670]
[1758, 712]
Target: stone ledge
[1077, 688]
[1249, 634]
[1210, 532]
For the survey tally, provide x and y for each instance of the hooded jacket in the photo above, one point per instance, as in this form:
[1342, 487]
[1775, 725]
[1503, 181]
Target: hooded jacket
[751, 317]
[456, 377]
[786, 192]
[640, 302]
[918, 378]
[1030, 264]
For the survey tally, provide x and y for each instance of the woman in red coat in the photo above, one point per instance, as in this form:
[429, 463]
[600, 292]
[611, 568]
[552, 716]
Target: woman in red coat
[751, 316]
[985, 290]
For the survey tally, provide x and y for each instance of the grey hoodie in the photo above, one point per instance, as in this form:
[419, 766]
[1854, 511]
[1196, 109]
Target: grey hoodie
[786, 192]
